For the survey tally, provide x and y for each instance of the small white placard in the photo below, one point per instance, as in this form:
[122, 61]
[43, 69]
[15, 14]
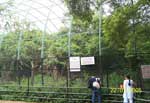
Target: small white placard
[74, 64]
[87, 61]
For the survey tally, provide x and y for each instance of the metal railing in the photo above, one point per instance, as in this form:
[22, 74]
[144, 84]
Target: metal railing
[69, 95]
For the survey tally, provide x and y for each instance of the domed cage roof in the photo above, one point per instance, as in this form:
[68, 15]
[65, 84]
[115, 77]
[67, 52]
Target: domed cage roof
[46, 15]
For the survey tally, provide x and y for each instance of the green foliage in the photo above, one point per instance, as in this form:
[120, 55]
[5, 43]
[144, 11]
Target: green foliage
[48, 81]
[115, 79]
[80, 9]
[84, 44]
[119, 31]
[125, 31]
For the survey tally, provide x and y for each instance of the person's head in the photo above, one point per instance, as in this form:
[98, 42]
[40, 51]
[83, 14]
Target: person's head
[127, 77]
[92, 76]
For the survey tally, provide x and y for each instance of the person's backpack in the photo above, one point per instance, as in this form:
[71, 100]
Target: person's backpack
[96, 85]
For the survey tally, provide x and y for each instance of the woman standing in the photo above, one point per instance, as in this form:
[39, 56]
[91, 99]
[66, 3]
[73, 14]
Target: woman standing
[128, 90]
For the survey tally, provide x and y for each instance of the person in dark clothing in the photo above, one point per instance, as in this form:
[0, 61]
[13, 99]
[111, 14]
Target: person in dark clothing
[90, 82]
[94, 85]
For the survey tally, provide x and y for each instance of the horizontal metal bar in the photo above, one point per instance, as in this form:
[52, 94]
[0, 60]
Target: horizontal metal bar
[65, 93]
[72, 99]
[142, 100]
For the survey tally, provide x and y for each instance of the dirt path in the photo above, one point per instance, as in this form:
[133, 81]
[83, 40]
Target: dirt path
[1, 101]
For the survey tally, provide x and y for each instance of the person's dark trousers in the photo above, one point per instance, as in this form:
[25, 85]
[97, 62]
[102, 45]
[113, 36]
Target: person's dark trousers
[96, 96]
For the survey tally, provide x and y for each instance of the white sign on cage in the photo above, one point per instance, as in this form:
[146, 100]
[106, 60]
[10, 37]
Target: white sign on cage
[74, 64]
[87, 61]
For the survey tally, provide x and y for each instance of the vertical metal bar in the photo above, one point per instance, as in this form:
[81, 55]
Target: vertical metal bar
[42, 48]
[69, 37]
[42, 56]
[69, 50]
[100, 30]
[42, 76]
[100, 33]
[19, 45]
[28, 74]
[107, 79]
[18, 72]
[18, 55]
[69, 54]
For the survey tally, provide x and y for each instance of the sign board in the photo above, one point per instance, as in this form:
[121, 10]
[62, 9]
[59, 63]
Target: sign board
[87, 60]
[74, 64]
[145, 71]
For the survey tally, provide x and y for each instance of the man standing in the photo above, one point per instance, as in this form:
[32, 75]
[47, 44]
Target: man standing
[94, 85]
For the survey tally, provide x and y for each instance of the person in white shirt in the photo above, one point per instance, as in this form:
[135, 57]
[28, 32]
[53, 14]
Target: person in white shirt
[128, 90]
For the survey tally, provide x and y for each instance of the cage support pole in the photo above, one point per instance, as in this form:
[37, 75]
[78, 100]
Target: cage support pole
[100, 40]
[69, 54]
[42, 48]
[18, 55]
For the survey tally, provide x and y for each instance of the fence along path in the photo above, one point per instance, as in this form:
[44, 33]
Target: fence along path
[42, 94]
